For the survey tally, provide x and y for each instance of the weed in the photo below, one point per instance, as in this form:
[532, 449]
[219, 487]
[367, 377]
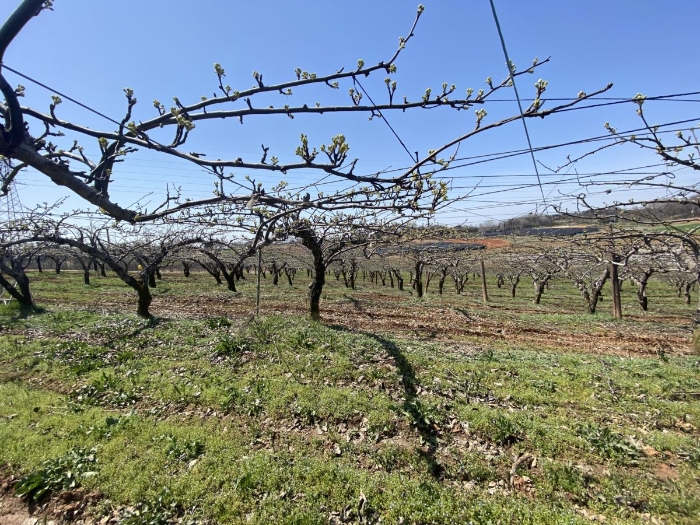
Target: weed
[545, 385]
[218, 322]
[607, 443]
[247, 400]
[487, 355]
[102, 431]
[125, 356]
[264, 330]
[105, 390]
[505, 430]
[61, 473]
[301, 339]
[473, 468]
[230, 346]
[393, 405]
[565, 477]
[391, 458]
[255, 392]
[81, 357]
[423, 415]
[161, 509]
[691, 455]
[475, 385]
[232, 397]
[182, 450]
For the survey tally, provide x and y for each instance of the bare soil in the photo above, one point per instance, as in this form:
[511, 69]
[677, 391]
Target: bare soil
[489, 242]
[66, 507]
[472, 324]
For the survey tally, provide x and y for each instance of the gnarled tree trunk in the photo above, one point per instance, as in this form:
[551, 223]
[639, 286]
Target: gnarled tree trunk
[540, 286]
[20, 290]
[316, 288]
[144, 302]
[418, 279]
[591, 298]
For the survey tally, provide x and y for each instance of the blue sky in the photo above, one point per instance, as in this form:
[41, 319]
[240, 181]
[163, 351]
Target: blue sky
[91, 50]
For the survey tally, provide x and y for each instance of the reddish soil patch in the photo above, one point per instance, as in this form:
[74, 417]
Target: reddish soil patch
[493, 243]
[665, 472]
[490, 243]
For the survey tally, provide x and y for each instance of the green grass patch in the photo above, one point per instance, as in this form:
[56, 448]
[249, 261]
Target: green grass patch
[284, 420]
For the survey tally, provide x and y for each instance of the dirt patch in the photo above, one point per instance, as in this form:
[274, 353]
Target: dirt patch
[462, 321]
[451, 325]
[448, 325]
[665, 472]
[493, 243]
[489, 243]
[13, 511]
[64, 508]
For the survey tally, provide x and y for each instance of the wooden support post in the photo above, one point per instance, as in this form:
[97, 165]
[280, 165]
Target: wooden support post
[257, 293]
[615, 283]
[484, 292]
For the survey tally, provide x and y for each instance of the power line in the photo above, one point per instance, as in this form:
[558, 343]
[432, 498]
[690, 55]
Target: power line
[509, 65]
[74, 101]
[515, 153]
[669, 98]
[381, 115]
[500, 155]
[83, 106]
[481, 158]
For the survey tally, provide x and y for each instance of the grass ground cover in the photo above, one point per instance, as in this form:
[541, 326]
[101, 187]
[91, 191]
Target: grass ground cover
[395, 410]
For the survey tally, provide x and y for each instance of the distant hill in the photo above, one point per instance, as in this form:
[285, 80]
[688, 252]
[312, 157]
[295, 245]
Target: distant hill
[562, 231]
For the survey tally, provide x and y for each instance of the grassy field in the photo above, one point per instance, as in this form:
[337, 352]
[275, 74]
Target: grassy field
[393, 410]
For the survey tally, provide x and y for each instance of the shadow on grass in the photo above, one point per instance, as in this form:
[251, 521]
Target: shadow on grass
[411, 405]
[14, 311]
[148, 324]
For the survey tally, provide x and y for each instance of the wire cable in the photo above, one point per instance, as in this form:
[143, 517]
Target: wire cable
[517, 96]
[381, 115]
[207, 168]
[61, 94]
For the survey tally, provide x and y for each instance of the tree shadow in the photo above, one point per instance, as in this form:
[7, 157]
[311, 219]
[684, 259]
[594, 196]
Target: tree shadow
[147, 324]
[355, 302]
[411, 405]
[14, 311]
[465, 313]
[357, 306]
